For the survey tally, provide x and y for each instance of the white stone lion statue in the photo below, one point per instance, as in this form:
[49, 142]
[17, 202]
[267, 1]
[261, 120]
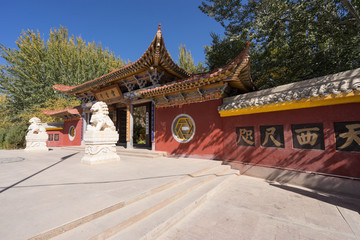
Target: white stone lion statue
[100, 121]
[35, 126]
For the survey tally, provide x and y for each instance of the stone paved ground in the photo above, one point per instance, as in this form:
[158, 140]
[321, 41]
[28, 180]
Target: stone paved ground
[46, 190]
[251, 208]
[55, 187]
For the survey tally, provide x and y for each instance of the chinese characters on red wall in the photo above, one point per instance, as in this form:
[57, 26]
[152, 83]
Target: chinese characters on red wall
[304, 136]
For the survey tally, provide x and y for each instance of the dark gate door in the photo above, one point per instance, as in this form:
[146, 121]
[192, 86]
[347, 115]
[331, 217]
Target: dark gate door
[142, 126]
[121, 126]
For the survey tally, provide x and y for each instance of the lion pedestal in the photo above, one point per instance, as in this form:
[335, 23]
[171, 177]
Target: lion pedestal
[100, 137]
[100, 147]
[36, 142]
[36, 137]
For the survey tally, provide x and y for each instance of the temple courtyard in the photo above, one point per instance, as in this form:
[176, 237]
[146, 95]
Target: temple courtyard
[147, 195]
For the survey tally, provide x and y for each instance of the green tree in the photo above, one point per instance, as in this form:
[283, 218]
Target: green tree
[5, 120]
[2, 137]
[187, 62]
[222, 50]
[36, 65]
[291, 40]
[15, 136]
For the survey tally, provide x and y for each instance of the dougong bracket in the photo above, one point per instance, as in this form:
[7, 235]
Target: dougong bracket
[129, 86]
[141, 83]
[155, 77]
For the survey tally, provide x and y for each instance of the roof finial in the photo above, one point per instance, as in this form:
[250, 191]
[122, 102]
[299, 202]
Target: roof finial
[159, 28]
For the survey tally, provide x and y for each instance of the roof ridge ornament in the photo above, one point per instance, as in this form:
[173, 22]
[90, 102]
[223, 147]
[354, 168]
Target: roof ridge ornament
[157, 46]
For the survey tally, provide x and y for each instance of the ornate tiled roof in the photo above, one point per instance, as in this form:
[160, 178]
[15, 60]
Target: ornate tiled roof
[155, 55]
[63, 88]
[61, 112]
[344, 82]
[236, 72]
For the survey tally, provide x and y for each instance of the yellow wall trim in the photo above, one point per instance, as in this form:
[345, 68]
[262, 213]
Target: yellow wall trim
[332, 99]
[53, 129]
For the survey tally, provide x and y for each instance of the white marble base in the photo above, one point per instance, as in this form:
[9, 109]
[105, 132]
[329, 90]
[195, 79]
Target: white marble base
[36, 142]
[100, 147]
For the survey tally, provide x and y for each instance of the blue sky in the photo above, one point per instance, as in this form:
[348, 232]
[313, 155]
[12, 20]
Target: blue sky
[125, 27]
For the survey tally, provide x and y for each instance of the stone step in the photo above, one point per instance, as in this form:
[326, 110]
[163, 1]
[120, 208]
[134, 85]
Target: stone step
[158, 223]
[112, 223]
[209, 166]
[140, 153]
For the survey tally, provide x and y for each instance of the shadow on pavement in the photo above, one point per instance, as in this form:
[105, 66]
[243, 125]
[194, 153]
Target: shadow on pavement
[344, 202]
[113, 181]
[42, 170]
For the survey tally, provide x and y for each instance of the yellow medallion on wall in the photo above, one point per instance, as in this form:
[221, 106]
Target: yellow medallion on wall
[183, 128]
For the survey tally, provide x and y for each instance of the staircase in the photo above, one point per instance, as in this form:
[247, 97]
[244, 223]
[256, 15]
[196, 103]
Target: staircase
[150, 215]
[144, 153]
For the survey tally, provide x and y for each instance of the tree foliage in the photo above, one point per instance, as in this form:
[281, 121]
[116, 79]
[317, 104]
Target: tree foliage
[15, 136]
[187, 62]
[5, 119]
[291, 40]
[36, 65]
[222, 50]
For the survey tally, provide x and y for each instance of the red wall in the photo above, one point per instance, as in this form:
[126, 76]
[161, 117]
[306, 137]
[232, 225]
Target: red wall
[324, 161]
[215, 137]
[54, 143]
[77, 140]
[208, 138]
[64, 139]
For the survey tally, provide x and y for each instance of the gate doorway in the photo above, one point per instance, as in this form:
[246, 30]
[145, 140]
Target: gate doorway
[121, 125]
[142, 126]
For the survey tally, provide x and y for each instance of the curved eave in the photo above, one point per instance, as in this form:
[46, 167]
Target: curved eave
[241, 79]
[155, 55]
[61, 112]
[63, 88]
[237, 73]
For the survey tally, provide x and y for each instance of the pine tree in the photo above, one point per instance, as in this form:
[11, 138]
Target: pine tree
[36, 65]
[187, 62]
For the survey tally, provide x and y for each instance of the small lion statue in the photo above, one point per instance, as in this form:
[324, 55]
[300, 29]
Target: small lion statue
[35, 126]
[100, 121]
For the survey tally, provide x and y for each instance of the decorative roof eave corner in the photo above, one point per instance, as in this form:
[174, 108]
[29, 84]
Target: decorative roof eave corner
[151, 56]
[158, 42]
[162, 57]
[236, 67]
[63, 88]
[240, 66]
[61, 112]
[332, 89]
